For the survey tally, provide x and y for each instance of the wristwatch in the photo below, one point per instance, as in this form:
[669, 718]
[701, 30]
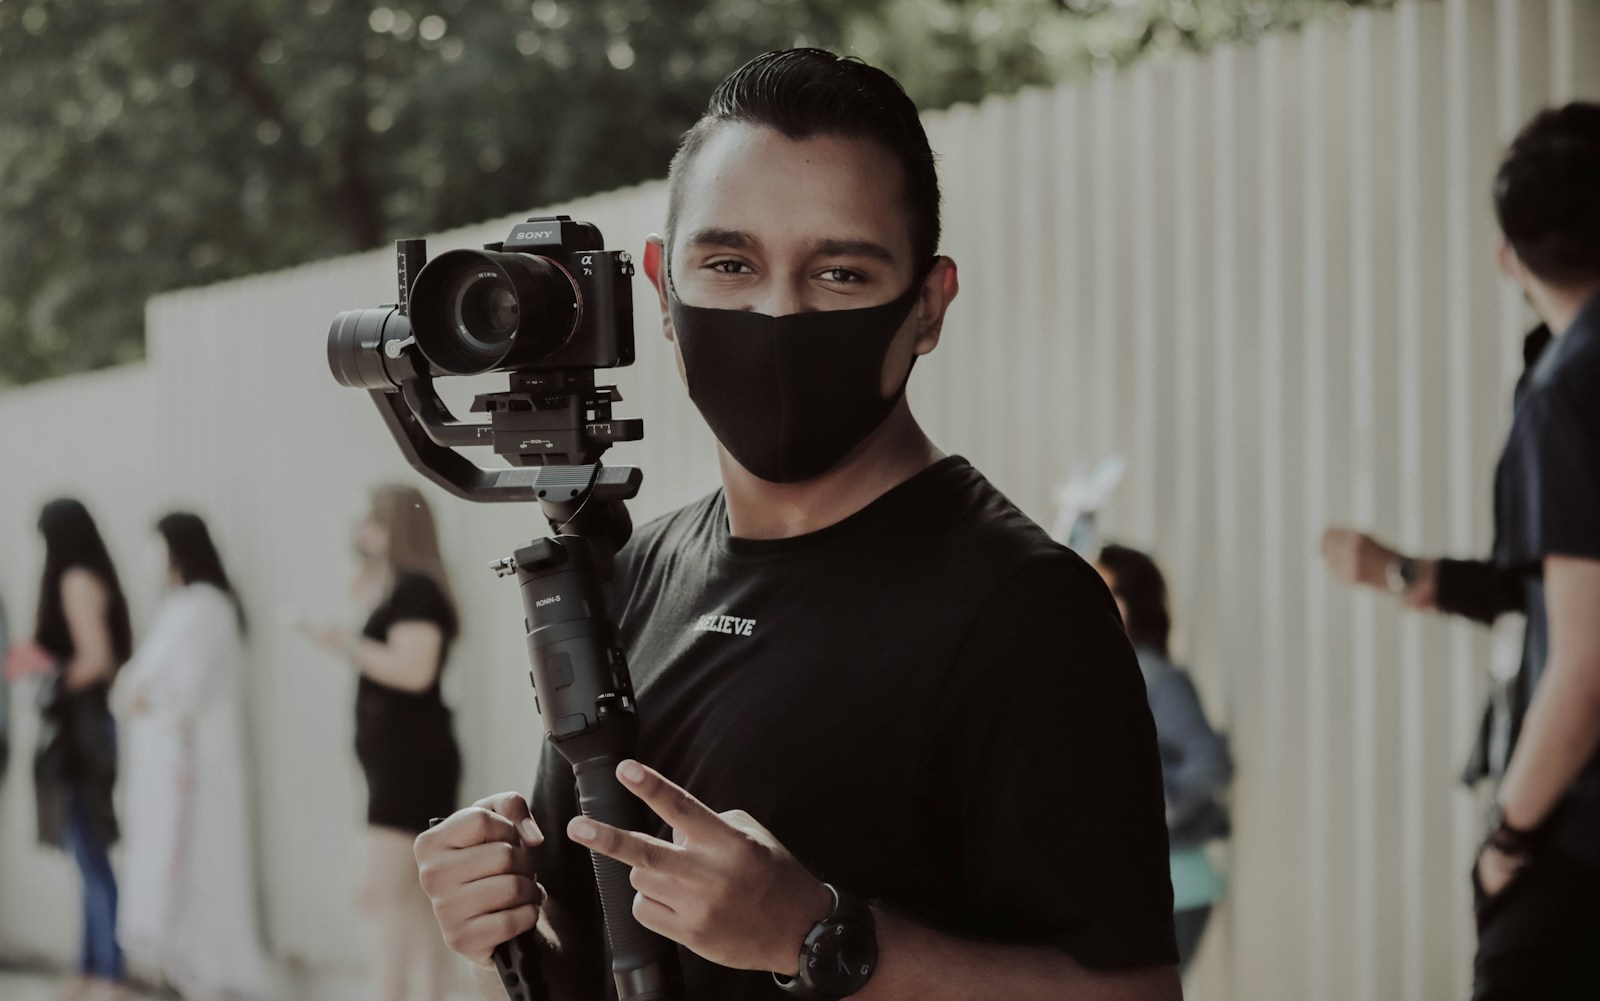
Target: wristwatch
[1401, 574]
[839, 954]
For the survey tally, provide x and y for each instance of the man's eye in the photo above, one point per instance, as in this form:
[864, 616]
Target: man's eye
[841, 275]
[727, 267]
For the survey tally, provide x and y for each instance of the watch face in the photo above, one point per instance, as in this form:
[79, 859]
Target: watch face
[840, 958]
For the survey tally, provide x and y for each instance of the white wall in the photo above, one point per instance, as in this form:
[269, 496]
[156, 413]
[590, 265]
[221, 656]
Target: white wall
[1265, 276]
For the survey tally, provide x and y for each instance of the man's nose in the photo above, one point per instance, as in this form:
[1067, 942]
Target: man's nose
[780, 299]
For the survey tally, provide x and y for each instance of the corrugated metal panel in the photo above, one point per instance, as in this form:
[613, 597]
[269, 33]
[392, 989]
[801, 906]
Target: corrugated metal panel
[1266, 276]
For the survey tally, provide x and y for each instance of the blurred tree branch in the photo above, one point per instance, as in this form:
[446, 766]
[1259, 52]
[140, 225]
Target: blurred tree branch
[152, 144]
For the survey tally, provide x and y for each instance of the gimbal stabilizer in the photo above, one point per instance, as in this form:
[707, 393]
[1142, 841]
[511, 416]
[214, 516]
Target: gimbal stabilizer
[552, 425]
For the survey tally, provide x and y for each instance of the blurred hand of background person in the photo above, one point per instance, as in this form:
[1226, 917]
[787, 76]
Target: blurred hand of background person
[336, 640]
[1356, 557]
[27, 660]
[138, 703]
[1359, 559]
[478, 874]
[1496, 870]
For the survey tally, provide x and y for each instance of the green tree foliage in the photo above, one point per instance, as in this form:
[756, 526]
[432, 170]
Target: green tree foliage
[152, 144]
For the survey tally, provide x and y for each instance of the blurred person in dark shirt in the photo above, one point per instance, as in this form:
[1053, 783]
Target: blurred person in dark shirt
[404, 737]
[83, 628]
[1537, 879]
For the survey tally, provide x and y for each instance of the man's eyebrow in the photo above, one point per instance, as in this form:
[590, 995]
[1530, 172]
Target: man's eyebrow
[713, 237]
[852, 248]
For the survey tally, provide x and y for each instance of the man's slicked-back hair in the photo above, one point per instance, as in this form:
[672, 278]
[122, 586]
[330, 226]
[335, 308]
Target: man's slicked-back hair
[1547, 194]
[809, 92]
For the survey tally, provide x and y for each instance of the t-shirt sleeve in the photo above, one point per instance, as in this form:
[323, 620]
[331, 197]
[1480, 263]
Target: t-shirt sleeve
[1558, 444]
[1477, 589]
[417, 598]
[1057, 790]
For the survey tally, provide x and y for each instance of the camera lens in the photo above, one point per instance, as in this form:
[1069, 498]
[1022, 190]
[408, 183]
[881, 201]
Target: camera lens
[482, 311]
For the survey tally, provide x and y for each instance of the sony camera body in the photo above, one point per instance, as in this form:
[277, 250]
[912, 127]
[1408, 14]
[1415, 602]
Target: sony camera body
[550, 296]
[548, 306]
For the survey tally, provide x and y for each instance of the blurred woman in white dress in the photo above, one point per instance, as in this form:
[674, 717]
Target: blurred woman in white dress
[188, 906]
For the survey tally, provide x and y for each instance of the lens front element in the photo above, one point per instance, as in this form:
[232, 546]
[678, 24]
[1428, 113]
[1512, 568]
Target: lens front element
[484, 310]
[481, 311]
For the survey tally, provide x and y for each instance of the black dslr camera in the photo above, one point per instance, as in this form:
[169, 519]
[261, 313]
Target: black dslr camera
[549, 297]
[548, 305]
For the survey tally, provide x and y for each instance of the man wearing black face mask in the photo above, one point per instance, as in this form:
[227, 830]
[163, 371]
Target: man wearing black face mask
[881, 705]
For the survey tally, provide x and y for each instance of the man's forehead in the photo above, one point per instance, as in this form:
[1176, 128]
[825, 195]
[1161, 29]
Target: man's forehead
[813, 246]
[749, 184]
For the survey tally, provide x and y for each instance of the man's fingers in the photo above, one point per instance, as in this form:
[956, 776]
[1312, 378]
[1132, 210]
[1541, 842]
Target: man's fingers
[438, 872]
[466, 829]
[657, 885]
[477, 938]
[635, 849]
[654, 915]
[478, 825]
[514, 807]
[496, 893]
[671, 802]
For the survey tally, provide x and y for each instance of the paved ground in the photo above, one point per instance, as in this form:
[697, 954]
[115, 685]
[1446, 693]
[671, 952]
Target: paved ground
[34, 987]
[20, 986]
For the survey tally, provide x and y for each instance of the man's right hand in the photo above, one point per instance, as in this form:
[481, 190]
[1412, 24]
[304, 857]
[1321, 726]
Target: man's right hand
[476, 870]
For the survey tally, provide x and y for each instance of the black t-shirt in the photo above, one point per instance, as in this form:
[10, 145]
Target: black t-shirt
[1547, 503]
[930, 703]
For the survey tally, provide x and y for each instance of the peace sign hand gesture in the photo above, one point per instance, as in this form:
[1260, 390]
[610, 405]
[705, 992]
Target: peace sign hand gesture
[723, 888]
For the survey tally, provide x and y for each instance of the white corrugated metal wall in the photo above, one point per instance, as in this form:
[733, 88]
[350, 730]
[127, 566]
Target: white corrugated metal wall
[1265, 276]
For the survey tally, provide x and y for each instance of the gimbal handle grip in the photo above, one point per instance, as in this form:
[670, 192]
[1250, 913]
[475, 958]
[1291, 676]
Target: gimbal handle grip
[517, 962]
[635, 951]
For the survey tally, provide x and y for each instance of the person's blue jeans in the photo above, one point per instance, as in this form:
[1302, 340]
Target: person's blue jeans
[101, 956]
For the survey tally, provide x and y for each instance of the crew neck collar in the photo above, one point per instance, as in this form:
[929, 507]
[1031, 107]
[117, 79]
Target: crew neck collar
[891, 501]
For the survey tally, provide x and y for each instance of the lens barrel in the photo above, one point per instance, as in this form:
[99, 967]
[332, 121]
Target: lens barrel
[483, 311]
[358, 353]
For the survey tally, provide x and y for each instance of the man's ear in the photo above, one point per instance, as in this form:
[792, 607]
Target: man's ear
[1507, 259]
[655, 268]
[938, 290]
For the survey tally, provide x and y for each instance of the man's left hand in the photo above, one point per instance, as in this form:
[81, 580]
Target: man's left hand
[723, 888]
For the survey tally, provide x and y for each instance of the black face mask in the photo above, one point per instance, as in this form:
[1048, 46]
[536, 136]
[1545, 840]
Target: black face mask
[790, 396]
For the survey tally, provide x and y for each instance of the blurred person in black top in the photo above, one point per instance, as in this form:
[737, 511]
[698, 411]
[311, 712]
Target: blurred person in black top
[1537, 880]
[83, 627]
[403, 733]
[857, 664]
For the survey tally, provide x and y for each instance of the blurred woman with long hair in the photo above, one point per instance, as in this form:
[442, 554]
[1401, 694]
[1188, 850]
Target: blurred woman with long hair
[189, 899]
[403, 728]
[83, 626]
